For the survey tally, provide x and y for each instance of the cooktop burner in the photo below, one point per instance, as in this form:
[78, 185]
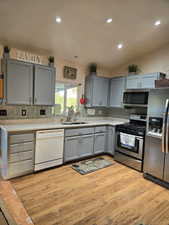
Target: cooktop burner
[132, 128]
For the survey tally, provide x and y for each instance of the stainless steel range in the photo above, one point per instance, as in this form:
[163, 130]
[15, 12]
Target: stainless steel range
[130, 137]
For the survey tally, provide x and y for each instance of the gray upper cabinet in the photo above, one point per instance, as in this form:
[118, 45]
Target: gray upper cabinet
[44, 86]
[19, 82]
[133, 82]
[142, 81]
[117, 88]
[148, 80]
[96, 91]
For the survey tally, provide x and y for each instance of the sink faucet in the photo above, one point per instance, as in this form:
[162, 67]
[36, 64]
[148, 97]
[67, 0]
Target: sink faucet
[70, 114]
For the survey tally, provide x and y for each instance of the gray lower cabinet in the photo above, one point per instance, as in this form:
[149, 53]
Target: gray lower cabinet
[99, 143]
[110, 146]
[117, 87]
[78, 147]
[97, 91]
[19, 82]
[71, 148]
[44, 85]
[85, 147]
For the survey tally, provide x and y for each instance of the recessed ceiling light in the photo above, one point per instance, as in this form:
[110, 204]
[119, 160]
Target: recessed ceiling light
[58, 20]
[119, 46]
[157, 23]
[109, 20]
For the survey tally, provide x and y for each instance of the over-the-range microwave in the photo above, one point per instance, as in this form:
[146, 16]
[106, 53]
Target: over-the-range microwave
[135, 98]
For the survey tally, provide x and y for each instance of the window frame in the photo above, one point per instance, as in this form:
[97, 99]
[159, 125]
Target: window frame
[78, 86]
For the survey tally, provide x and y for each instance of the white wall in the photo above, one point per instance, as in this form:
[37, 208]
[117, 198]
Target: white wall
[156, 61]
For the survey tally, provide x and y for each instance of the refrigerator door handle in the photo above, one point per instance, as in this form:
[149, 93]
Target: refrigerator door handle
[167, 133]
[164, 134]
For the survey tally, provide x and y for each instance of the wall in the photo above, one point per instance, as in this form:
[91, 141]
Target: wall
[156, 61]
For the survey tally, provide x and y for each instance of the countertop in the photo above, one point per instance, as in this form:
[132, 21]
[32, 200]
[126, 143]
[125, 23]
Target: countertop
[56, 125]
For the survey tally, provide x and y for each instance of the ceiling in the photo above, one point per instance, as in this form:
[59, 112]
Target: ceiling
[84, 31]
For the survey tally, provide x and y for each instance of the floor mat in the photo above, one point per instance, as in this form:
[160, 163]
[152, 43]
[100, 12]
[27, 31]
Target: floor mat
[91, 165]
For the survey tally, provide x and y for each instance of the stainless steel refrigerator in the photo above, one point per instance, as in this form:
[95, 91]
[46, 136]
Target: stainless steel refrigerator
[156, 157]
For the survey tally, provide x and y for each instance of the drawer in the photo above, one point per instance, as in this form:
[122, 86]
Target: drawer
[21, 147]
[19, 138]
[100, 129]
[79, 131]
[20, 168]
[14, 157]
[20, 156]
[110, 127]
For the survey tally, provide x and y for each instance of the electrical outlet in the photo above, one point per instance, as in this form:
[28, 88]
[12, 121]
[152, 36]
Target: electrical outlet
[42, 112]
[3, 112]
[23, 112]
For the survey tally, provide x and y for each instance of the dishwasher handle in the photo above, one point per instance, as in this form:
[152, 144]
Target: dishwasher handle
[50, 131]
[49, 134]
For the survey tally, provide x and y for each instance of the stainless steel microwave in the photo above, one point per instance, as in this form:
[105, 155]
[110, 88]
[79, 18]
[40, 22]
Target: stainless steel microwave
[135, 98]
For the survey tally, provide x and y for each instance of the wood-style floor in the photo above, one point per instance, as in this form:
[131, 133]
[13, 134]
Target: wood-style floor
[116, 195]
[2, 219]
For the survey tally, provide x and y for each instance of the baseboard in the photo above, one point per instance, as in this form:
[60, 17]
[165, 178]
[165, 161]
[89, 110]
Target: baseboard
[156, 180]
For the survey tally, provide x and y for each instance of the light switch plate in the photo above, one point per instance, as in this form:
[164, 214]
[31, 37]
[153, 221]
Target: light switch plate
[91, 112]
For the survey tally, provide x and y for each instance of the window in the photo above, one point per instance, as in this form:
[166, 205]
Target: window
[66, 95]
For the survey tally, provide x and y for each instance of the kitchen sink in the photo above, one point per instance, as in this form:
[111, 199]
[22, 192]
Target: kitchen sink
[73, 123]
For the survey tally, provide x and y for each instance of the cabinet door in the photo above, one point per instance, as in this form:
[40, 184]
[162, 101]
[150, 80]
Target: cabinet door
[154, 157]
[148, 80]
[100, 91]
[85, 145]
[110, 148]
[44, 87]
[117, 88]
[71, 148]
[133, 82]
[99, 143]
[19, 82]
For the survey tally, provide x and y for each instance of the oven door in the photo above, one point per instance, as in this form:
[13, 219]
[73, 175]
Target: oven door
[135, 150]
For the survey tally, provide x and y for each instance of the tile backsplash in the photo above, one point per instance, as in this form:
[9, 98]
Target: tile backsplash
[33, 112]
[15, 112]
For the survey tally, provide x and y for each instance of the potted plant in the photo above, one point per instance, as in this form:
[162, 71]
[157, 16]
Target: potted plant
[93, 68]
[132, 69]
[6, 52]
[51, 60]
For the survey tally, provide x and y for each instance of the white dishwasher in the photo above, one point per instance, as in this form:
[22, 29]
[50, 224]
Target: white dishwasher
[49, 148]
